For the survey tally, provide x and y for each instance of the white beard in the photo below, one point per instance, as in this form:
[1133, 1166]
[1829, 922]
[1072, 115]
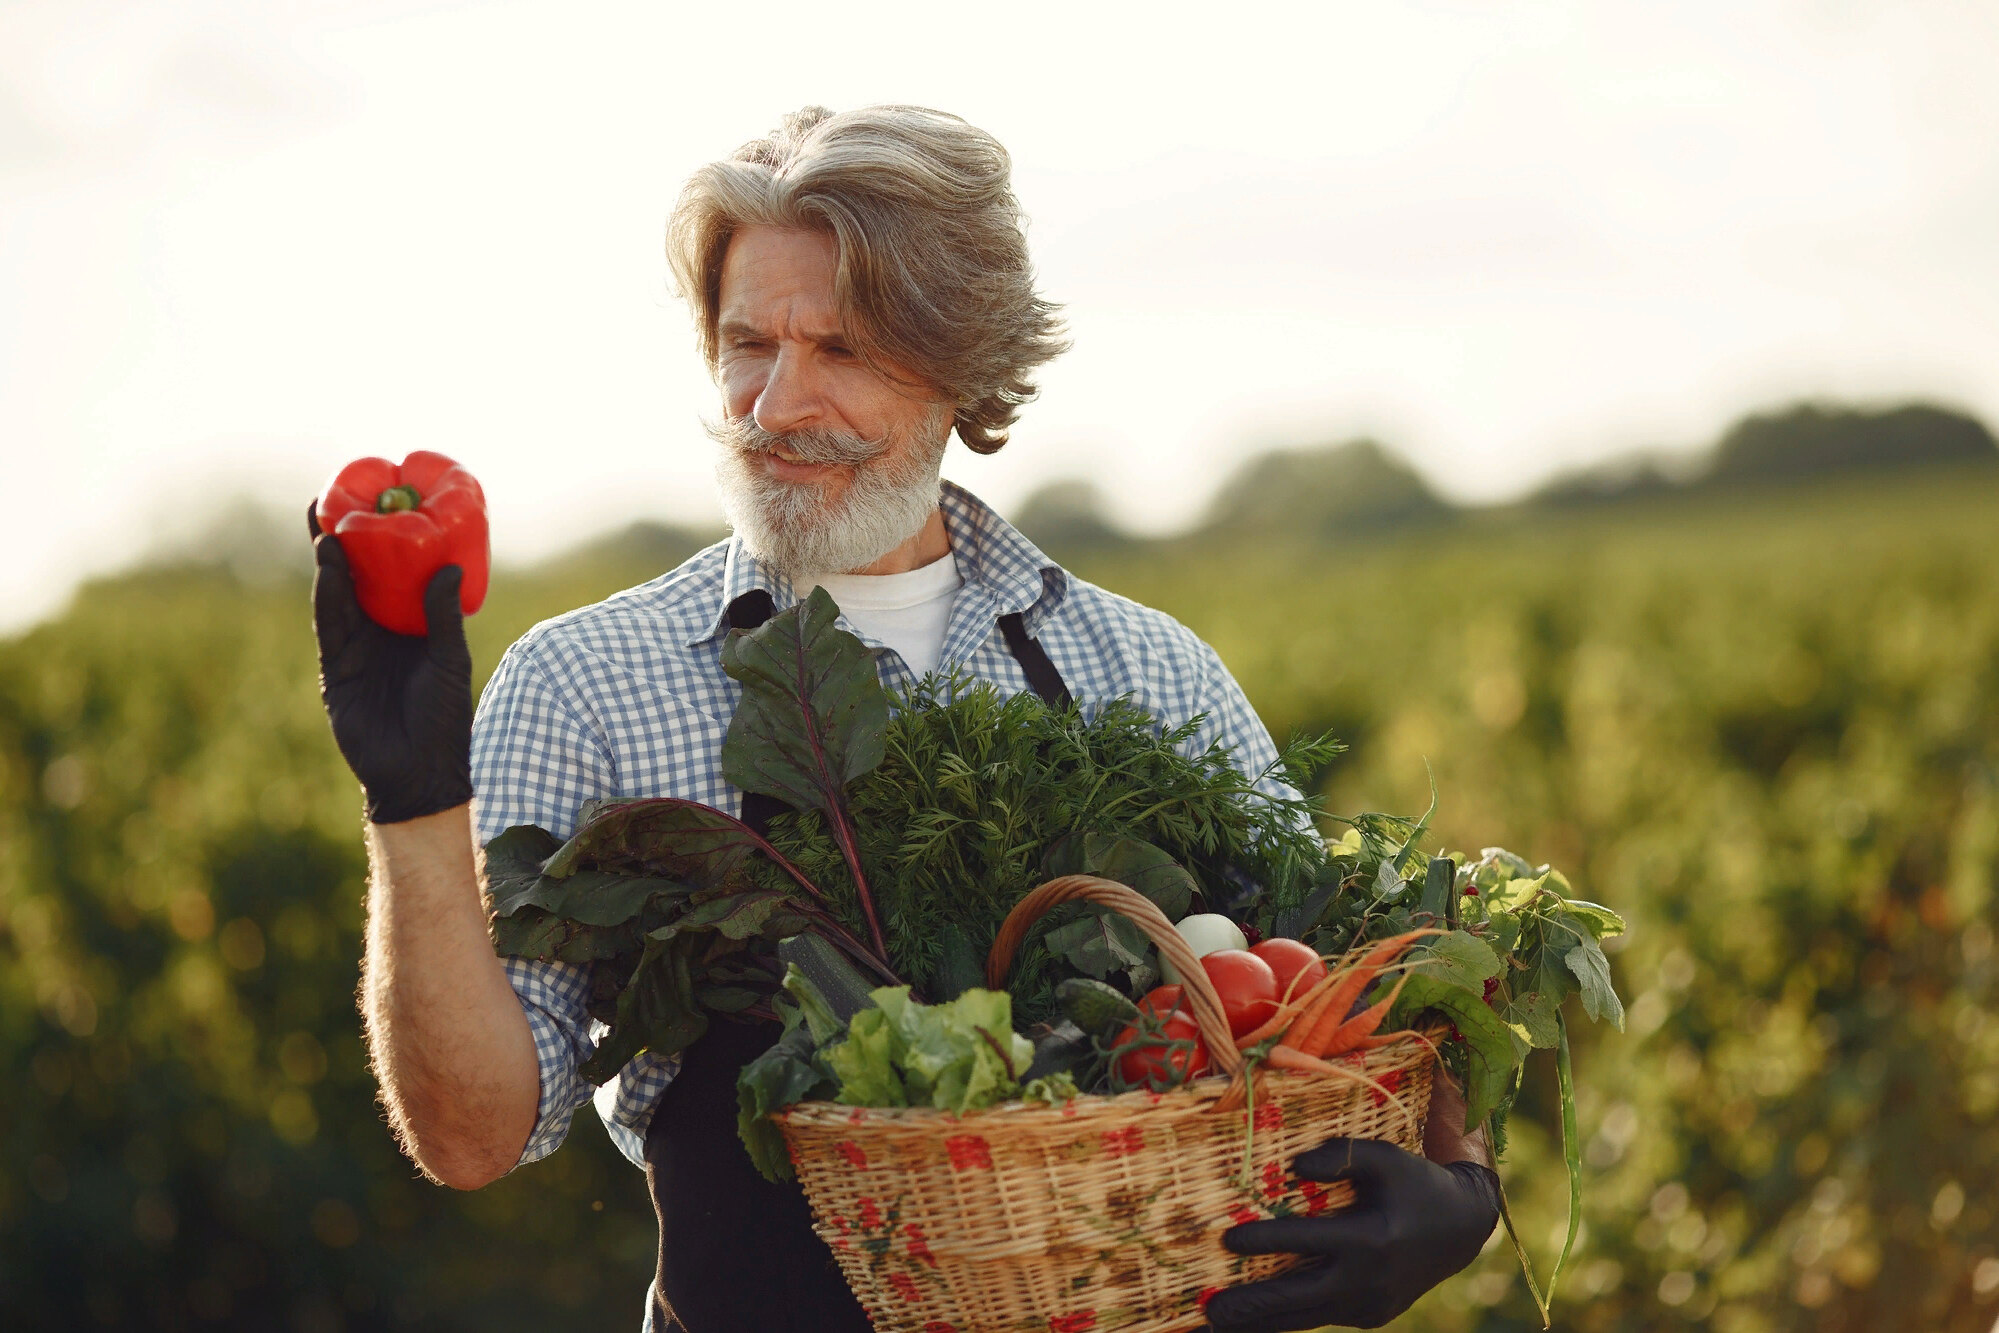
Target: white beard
[891, 493]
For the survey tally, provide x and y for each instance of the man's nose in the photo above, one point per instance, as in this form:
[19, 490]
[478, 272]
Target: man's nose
[792, 395]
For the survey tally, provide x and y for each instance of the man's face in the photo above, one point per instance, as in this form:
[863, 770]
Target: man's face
[825, 465]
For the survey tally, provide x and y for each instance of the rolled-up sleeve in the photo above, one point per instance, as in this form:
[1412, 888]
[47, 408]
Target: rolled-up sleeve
[534, 761]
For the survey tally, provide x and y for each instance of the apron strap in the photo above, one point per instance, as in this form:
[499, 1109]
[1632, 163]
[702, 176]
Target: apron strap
[1033, 659]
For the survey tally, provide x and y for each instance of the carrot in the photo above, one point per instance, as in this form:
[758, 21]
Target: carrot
[1362, 1025]
[1297, 1009]
[1353, 982]
[1290, 1057]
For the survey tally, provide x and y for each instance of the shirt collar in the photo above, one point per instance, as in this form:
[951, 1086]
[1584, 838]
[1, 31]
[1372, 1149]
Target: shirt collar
[991, 552]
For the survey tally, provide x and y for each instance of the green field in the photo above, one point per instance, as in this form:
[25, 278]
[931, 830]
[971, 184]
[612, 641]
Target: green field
[1762, 725]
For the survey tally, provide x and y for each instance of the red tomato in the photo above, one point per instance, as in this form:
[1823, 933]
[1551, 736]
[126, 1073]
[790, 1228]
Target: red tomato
[1246, 984]
[1288, 959]
[1157, 1065]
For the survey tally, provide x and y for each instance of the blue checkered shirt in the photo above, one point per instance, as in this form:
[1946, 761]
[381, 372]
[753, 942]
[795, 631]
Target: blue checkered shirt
[628, 698]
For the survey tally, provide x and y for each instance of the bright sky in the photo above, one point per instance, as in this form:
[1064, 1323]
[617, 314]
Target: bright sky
[242, 241]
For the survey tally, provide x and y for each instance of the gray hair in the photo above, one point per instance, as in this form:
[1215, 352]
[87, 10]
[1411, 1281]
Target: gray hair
[932, 272]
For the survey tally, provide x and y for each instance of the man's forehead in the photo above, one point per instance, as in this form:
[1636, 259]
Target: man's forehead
[779, 281]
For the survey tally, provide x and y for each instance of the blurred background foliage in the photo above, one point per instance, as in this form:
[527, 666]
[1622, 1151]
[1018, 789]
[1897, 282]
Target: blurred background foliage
[1749, 699]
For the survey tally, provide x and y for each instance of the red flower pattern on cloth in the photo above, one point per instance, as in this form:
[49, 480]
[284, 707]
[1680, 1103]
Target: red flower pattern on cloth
[1392, 1081]
[1124, 1142]
[905, 1286]
[870, 1215]
[1315, 1198]
[939, 1326]
[1207, 1294]
[852, 1152]
[969, 1152]
[1270, 1115]
[1243, 1216]
[1076, 1321]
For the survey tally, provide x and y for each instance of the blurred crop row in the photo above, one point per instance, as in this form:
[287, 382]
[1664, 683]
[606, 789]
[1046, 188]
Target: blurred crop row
[1764, 728]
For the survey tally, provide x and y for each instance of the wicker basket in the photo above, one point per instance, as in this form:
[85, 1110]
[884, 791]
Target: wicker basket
[1102, 1214]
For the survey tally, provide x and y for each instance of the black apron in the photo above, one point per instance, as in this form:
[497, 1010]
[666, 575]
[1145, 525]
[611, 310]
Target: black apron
[737, 1252]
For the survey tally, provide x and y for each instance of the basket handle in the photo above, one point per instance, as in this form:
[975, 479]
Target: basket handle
[1202, 1001]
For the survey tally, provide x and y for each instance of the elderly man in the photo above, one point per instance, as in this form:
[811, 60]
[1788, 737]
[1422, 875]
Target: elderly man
[861, 288]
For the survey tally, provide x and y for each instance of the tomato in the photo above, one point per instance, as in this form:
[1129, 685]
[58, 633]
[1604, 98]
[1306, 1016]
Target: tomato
[1157, 1065]
[1292, 958]
[1247, 985]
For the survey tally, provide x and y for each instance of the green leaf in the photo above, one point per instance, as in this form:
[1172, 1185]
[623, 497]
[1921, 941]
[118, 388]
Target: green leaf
[1101, 943]
[657, 1011]
[533, 933]
[1592, 969]
[1512, 895]
[1532, 1018]
[867, 1062]
[1132, 862]
[790, 1072]
[1439, 888]
[813, 711]
[1601, 921]
[738, 916]
[1388, 885]
[596, 897]
[726, 999]
[1460, 958]
[666, 836]
[1542, 984]
[514, 859]
[1490, 1058]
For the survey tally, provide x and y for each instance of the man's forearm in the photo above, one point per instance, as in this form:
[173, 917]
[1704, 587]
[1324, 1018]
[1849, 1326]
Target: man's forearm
[447, 1037]
[1444, 1137]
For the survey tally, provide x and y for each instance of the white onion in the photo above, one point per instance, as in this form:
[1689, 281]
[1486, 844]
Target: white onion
[1205, 933]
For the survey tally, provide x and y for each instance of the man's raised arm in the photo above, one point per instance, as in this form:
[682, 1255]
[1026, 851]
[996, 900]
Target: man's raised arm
[447, 1037]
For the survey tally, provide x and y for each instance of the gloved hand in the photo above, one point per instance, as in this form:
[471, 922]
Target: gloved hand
[400, 704]
[1412, 1224]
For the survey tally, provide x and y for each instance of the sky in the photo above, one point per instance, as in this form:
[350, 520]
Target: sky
[244, 241]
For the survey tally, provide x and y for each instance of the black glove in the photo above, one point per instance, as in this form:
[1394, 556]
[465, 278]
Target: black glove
[1412, 1224]
[400, 704]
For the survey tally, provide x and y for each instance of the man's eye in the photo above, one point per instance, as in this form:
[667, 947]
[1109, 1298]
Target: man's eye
[838, 351]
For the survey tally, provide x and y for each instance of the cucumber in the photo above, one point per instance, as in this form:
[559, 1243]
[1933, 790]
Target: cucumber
[1095, 1007]
[845, 989]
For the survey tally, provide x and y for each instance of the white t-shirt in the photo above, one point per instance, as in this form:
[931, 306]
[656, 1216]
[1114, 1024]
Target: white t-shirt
[908, 612]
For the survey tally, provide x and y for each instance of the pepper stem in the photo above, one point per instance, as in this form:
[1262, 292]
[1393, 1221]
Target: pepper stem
[397, 499]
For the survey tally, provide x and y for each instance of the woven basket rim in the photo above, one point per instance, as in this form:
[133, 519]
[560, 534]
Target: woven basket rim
[1189, 1096]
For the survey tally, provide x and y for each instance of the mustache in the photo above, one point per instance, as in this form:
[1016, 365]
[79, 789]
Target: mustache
[816, 444]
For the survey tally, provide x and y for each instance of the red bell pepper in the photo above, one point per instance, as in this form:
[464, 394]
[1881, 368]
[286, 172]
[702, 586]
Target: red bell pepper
[399, 525]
